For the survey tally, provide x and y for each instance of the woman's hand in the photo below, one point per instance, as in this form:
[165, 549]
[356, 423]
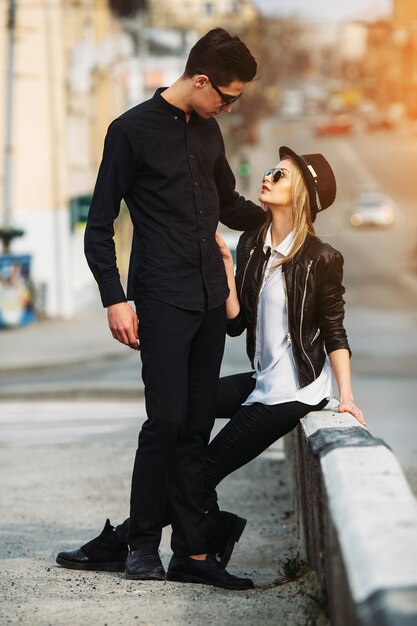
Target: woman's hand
[350, 407]
[340, 362]
[232, 302]
[225, 252]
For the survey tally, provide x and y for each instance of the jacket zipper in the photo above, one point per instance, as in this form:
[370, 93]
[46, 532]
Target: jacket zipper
[257, 297]
[289, 334]
[302, 316]
[244, 272]
[315, 336]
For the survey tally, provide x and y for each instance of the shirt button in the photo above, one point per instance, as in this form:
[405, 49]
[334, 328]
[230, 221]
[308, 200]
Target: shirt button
[203, 240]
[192, 156]
[195, 184]
[200, 212]
[175, 117]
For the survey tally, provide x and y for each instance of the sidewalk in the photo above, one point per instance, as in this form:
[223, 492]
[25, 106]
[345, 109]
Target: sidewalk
[48, 344]
[68, 467]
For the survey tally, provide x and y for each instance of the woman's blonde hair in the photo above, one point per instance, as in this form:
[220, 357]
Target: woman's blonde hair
[303, 224]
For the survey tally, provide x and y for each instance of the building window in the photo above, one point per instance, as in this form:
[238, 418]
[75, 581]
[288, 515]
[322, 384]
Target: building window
[232, 7]
[208, 8]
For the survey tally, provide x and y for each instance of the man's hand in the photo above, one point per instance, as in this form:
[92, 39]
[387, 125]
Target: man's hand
[123, 324]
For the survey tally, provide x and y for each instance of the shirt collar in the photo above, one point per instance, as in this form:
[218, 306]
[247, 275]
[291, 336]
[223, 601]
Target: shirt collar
[282, 248]
[171, 108]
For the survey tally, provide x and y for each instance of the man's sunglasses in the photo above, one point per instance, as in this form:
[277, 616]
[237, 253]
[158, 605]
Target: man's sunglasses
[227, 99]
[275, 172]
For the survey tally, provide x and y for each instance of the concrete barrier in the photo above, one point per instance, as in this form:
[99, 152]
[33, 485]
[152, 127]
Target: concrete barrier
[357, 520]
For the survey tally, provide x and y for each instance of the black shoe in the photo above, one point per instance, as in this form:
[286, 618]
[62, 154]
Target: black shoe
[183, 569]
[140, 566]
[223, 531]
[105, 553]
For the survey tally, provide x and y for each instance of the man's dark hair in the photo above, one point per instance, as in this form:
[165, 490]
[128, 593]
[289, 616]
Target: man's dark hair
[222, 58]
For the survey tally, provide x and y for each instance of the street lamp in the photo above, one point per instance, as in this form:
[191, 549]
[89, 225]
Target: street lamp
[7, 232]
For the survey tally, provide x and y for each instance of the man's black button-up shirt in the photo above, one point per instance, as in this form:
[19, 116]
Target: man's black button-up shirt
[177, 184]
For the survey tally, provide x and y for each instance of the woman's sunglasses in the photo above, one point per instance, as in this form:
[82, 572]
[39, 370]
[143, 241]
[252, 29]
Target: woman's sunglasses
[275, 172]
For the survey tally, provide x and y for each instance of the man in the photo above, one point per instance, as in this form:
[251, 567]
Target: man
[166, 158]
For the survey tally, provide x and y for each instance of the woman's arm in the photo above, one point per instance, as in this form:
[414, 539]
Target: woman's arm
[232, 302]
[340, 362]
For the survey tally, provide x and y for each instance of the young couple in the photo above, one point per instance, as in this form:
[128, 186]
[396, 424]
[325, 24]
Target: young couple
[166, 158]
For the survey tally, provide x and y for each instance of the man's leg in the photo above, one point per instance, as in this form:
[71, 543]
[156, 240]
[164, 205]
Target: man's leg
[186, 483]
[166, 335]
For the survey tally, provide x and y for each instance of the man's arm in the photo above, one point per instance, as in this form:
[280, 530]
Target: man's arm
[114, 178]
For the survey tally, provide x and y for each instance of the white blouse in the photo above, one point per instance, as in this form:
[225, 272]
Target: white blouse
[275, 374]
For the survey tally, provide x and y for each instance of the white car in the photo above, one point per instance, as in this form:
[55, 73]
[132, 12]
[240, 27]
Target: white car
[372, 208]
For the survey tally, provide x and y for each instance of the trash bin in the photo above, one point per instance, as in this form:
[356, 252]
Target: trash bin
[16, 293]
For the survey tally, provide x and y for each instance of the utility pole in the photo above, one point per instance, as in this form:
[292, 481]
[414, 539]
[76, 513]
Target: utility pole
[7, 232]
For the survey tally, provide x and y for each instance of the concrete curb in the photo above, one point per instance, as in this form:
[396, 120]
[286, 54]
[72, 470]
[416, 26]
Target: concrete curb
[63, 365]
[357, 521]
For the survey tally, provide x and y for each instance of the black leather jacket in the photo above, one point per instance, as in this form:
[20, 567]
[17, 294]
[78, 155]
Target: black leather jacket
[314, 298]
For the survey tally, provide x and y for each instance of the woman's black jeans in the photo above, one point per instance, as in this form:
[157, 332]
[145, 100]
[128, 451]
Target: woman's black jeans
[250, 431]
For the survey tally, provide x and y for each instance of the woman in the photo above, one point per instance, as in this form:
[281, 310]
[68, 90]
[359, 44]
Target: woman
[288, 296]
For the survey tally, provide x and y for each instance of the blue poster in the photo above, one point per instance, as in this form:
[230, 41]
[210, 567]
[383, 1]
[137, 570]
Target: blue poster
[16, 293]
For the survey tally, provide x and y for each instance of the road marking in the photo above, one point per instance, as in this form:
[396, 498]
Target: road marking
[356, 164]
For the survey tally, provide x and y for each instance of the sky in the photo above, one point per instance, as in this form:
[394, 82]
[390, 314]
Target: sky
[326, 10]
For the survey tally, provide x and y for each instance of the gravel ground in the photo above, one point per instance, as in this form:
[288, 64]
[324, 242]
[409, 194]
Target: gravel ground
[56, 497]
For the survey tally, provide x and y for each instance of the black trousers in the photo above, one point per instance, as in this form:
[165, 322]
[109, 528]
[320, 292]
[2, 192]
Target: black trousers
[181, 354]
[250, 431]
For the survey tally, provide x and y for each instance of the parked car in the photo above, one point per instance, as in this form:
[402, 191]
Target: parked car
[334, 125]
[379, 121]
[372, 208]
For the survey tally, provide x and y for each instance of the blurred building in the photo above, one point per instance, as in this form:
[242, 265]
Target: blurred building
[66, 87]
[404, 39]
[77, 67]
[404, 12]
[352, 47]
[202, 15]
[321, 40]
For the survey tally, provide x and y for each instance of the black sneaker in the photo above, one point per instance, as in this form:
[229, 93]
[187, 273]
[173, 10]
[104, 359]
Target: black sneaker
[105, 553]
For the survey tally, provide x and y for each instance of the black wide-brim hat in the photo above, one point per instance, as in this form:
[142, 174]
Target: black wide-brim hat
[318, 176]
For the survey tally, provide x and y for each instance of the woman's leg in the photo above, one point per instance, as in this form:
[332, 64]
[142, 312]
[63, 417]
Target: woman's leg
[249, 432]
[231, 392]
